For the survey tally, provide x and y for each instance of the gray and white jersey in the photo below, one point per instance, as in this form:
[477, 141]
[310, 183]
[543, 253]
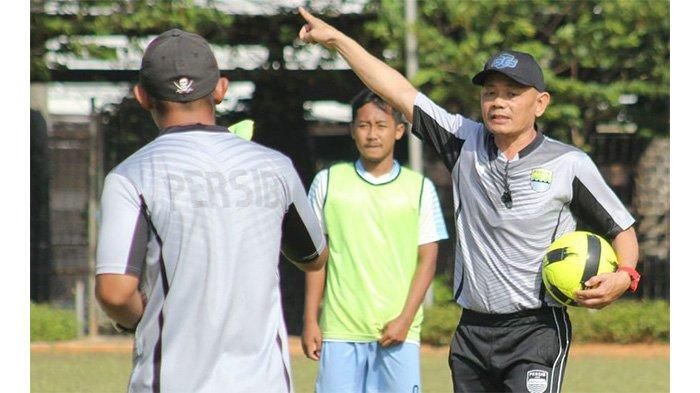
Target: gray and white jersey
[499, 250]
[200, 216]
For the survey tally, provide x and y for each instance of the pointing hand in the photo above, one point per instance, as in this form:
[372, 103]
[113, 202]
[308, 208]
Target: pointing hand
[316, 31]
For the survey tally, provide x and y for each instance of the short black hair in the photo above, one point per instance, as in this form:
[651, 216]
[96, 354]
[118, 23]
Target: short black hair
[165, 106]
[366, 96]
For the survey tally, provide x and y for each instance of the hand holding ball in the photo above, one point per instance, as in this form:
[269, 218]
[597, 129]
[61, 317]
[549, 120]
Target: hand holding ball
[571, 260]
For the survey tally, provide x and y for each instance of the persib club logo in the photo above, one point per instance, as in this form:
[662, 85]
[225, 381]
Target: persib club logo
[505, 60]
[540, 179]
[536, 381]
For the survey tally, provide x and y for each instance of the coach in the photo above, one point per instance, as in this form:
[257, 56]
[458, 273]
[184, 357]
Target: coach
[516, 191]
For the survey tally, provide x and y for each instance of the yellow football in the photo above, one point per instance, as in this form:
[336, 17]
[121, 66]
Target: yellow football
[571, 260]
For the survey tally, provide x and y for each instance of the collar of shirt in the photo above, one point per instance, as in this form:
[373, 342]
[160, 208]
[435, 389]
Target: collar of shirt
[192, 127]
[494, 152]
[385, 178]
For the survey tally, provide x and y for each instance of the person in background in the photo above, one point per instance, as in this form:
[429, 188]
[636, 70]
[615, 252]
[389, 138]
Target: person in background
[383, 222]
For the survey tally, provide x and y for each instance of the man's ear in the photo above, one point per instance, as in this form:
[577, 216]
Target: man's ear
[542, 103]
[400, 130]
[142, 97]
[220, 90]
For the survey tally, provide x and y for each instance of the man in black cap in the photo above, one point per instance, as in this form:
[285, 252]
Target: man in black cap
[192, 227]
[516, 191]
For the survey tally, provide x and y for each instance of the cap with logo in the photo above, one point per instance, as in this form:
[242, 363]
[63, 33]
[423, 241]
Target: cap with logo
[179, 66]
[519, 66]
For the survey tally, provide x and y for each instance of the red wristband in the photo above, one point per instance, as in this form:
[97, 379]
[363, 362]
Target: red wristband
[634, 276]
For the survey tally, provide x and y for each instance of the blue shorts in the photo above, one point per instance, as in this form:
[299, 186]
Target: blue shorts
[368, 367]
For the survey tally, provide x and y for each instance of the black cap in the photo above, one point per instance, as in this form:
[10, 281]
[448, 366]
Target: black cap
[519, 66]
[179, 66]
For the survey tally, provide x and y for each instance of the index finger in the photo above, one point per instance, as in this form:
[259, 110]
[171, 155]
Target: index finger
[306, 14]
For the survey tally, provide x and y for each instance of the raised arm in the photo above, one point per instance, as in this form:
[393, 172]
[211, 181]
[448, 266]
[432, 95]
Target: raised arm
[374, 73]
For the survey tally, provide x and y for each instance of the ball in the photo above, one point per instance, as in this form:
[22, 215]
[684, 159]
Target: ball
[571, 260]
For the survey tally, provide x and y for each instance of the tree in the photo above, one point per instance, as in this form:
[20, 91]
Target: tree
[592, 52]
[605, 63]
[69, 21]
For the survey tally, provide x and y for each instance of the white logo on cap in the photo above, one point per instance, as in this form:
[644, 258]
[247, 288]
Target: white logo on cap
[184, 86]
[505, 60]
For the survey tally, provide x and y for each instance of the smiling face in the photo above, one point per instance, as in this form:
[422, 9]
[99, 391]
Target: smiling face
[375, 133]
[508, 108]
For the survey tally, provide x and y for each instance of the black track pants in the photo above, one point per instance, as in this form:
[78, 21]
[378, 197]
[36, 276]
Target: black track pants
[519, 352]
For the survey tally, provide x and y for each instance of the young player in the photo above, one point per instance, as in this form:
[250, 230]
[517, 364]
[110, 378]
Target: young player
[383, 222]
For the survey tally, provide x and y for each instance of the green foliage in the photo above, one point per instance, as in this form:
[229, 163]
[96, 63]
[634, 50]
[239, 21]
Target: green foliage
[72, 21]
[440, 320]
[439, 323]
[442, 290]
[48, 323]
[592, 52]
[623, 322]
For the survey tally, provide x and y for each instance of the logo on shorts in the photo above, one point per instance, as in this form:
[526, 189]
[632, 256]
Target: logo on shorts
[540, 179]
[505, 60]
[536, 381]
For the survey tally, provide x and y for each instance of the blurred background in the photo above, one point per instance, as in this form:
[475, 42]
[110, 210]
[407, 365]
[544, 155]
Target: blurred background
[606, 64]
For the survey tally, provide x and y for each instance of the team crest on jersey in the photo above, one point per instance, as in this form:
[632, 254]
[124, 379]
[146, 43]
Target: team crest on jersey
[183, 85]
[536, 381]
[540, 179]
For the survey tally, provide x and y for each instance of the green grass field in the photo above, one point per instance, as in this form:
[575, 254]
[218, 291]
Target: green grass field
[104, 372]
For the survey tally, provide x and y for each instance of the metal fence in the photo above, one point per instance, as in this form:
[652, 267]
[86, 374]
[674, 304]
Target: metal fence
[70, 282]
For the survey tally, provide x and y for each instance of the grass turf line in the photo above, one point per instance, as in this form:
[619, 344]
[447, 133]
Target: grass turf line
[109, 372]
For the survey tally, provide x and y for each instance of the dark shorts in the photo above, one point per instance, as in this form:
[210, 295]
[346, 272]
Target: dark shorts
[519, 352]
